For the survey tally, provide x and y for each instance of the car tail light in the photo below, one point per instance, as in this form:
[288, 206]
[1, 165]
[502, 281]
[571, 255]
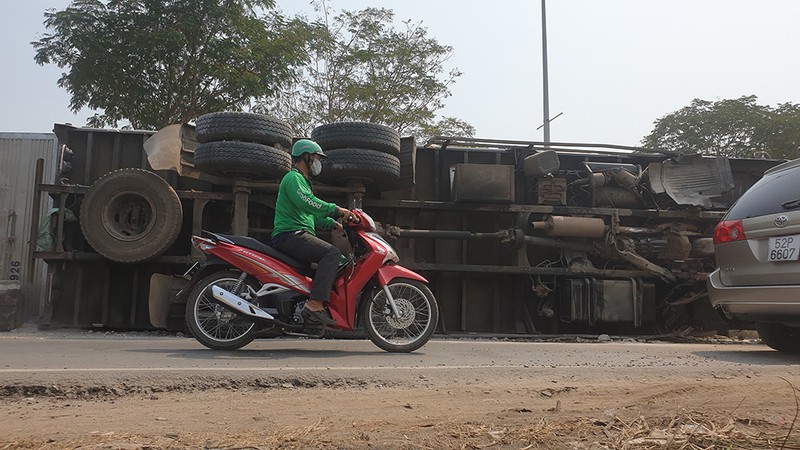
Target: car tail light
[729, 231]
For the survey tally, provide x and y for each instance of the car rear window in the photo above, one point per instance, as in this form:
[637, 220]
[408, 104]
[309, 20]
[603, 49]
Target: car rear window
[768, 196]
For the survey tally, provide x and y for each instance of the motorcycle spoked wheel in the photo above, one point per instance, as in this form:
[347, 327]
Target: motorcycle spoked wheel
[419, 314]
[214, 325]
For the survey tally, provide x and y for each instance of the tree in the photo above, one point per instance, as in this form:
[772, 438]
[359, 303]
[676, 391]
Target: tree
[783, 133]
[734, 128]
[446, 126]
[363, 69]
[157, 62]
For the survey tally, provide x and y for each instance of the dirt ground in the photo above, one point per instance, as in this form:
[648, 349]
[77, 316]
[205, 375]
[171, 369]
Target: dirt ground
[473, 410]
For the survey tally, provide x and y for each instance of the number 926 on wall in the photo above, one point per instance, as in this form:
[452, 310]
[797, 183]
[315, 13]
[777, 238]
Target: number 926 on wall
[784, 248]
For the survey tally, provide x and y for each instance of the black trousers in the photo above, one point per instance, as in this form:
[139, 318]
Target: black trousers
[309, 248]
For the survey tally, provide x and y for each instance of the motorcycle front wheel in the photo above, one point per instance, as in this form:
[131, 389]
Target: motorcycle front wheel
[419, 314]
[214, 325]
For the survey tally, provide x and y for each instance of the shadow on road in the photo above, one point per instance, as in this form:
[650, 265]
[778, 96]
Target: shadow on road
[760, 357]
[265, 354]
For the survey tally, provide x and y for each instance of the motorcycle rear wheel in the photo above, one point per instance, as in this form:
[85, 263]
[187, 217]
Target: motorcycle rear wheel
[213, 325]
[419, 314]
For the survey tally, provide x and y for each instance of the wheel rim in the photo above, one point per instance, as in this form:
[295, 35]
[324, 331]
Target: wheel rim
[128, 216]
[217, 322]
[415, 315]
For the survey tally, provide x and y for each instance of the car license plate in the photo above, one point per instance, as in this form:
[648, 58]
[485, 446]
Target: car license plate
[784, 248]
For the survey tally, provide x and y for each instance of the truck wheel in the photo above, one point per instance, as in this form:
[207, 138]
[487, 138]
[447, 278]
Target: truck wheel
[358, 135]
[369, 166]
[131, 215]
[242, 126]
[779, 336]
[242, 159]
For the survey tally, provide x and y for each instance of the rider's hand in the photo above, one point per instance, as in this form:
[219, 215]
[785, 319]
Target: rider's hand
[345, 213]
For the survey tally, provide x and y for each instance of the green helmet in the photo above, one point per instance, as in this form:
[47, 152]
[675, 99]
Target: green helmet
[306, 146]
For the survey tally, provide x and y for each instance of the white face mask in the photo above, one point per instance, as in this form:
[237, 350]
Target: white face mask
[316, 167]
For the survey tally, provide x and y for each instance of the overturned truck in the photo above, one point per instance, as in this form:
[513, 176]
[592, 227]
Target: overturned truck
[515, 237]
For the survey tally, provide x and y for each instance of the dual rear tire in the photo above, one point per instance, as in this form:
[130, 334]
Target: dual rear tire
[243, 145]
[362, 152]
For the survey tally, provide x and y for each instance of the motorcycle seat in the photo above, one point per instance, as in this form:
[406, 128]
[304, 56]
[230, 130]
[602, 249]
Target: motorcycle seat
[255, 244]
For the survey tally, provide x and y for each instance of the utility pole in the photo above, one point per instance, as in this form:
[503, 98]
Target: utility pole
[546, 95]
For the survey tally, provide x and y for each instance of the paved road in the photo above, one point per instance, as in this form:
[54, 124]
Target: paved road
[81, 355]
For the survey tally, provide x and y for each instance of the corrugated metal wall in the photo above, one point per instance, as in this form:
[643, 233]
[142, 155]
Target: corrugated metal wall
[18, 155]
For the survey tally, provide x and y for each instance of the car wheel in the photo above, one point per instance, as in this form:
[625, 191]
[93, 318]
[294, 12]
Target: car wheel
[242, 126]
[779, 336]
[357, 135]
[131, 215]
[242, 160]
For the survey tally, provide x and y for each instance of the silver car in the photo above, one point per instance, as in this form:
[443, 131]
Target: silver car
[758, 249]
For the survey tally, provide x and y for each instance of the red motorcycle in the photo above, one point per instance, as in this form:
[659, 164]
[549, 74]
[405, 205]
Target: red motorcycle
[247, 289]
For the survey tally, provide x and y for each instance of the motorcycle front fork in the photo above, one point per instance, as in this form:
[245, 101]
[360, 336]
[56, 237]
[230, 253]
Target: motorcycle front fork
[390, 299]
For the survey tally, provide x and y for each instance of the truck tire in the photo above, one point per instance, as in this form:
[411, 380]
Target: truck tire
[242, 126]
[369, 166]
[357, 135]
[242, 160]
[131, 215]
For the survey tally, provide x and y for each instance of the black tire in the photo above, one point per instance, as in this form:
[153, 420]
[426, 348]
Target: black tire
[242, 160]
[213, 325]
[131, 215]
[419, 316]
[242, 126]
[368, 166]
[779, 336]
[358, 135]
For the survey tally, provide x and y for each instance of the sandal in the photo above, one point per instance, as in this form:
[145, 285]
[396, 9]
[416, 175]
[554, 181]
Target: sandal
[321, 316]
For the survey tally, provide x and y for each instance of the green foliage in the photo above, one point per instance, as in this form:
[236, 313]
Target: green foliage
[737, 128]
[447, 126]
[364, 69]
[782, 136]
[157, 62]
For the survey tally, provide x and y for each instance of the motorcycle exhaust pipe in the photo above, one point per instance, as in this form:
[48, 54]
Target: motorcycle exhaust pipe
[239, 304]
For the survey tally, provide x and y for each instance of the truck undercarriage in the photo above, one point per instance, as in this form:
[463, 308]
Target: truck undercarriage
[515, 237]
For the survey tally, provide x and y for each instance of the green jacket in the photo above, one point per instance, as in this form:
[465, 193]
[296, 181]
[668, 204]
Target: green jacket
[298, 208]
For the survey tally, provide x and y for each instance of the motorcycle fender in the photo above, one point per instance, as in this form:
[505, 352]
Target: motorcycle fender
[210, 265]
[388, 273]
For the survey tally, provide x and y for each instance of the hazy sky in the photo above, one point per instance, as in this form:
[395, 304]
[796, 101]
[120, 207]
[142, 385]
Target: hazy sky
[615, 65]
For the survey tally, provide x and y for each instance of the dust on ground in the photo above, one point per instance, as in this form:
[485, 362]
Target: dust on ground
[473, 410]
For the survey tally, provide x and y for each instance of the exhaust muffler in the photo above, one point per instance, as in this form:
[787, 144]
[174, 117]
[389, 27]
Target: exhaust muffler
[239, 304]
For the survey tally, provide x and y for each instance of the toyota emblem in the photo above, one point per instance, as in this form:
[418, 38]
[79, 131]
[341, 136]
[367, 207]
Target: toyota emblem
[781, 221]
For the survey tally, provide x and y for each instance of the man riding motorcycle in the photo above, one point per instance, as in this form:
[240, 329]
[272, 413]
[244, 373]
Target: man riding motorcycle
[298, 212]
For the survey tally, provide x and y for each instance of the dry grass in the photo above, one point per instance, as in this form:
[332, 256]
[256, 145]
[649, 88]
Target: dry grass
[681, 432]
